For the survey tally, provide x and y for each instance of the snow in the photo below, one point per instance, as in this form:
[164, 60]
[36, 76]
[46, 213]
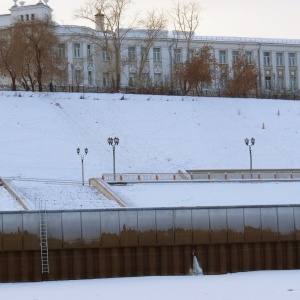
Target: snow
[275, 285]
[40, 133]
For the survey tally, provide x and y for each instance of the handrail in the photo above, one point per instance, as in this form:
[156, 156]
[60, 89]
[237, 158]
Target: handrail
[224, 175]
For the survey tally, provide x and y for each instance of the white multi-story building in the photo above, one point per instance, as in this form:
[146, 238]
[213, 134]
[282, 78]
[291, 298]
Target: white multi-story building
[88, 62]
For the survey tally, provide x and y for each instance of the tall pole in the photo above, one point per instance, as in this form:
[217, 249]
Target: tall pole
[82, 169]
[250, 143]
[113, 142]
[114, 162]
[250, 159]
[82, 162]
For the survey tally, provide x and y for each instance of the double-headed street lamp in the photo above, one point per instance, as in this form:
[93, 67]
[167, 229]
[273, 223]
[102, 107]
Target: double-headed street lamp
[247, 142]
[82, 159]
[113, 142]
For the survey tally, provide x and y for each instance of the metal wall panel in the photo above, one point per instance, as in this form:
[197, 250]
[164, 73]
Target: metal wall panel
[269, 224]
[1, 235]
[183, 227]
[165, 227]
[147, 227]
[31, 231]
[54, 230]
[252, 221]
[12, 232]
[286, 223]
[110, 234]
[218, 225]
[71, 224]
[201, 229]
[235, 223]
[297, 223]
[128, 228]
[90, 226]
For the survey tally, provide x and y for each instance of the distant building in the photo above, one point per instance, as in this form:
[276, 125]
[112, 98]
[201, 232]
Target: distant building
[89, 62]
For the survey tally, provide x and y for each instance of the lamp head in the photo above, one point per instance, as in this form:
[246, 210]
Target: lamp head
[116, 140]
[78, 150]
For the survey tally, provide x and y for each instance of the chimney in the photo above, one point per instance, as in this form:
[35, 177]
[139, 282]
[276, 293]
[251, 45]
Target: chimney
[99, 21]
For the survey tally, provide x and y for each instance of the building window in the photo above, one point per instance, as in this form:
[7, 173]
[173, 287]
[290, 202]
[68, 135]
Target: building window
[248, 55]
[76, 50]
[145, 80]
[157, 79]
[131, 54]
[88, 51]
[27, 17]
[267, 59]
[104, 55]
[190, 54]
[222, 57]
[292, 59]
[177, 55]
[280, 83]
[268, 83]
[105, 79]
[279, 59]
[293, 83]
[90, 81]
[32, 17]
[131, 81]
[144, 54]
[235, 56]
[61, 50]
[77, 77]
[21, 18]
[156, 54]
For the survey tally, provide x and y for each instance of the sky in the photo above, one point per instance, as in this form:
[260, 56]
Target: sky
[239, 18]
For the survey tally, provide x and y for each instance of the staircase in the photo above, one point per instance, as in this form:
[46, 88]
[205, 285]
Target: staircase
[43, 237]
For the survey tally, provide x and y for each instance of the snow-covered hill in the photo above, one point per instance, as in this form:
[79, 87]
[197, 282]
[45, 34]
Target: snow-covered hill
[40, 133]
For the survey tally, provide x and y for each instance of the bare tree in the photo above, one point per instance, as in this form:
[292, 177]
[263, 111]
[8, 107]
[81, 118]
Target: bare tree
[11, 55]
[110, 17]
[198, 72]
[40, 41]
[186, 19]
[153, 24]
[244, 76]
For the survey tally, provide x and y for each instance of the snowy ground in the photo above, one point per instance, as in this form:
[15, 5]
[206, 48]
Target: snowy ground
[40, 133]
[275, 285]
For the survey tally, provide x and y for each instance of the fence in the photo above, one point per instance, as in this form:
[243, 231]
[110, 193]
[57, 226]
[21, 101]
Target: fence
[221, 175]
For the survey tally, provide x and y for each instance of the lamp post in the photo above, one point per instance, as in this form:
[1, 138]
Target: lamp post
[247, 142]
[82, 159]
[113, 142]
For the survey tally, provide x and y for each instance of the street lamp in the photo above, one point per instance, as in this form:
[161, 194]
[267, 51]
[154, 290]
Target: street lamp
[247, 142]
[82, 159]
[113, 142]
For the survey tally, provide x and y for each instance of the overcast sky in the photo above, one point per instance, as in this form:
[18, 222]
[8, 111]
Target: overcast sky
[241, 18]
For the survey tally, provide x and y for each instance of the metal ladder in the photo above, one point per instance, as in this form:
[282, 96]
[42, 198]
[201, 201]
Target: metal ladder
[43, 237]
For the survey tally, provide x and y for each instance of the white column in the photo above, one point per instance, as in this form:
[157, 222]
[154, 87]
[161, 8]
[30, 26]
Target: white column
[286, 70]
[70, 62]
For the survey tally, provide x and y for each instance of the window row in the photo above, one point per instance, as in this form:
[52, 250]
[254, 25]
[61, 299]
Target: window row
[27, 17]
[280, 84]
[77, 52]
[280, 61]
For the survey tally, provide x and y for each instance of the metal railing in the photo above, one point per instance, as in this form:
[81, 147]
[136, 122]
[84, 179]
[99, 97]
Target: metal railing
[221, 175]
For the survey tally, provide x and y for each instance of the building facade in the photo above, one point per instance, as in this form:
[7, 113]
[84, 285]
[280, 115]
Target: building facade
[88, 61]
